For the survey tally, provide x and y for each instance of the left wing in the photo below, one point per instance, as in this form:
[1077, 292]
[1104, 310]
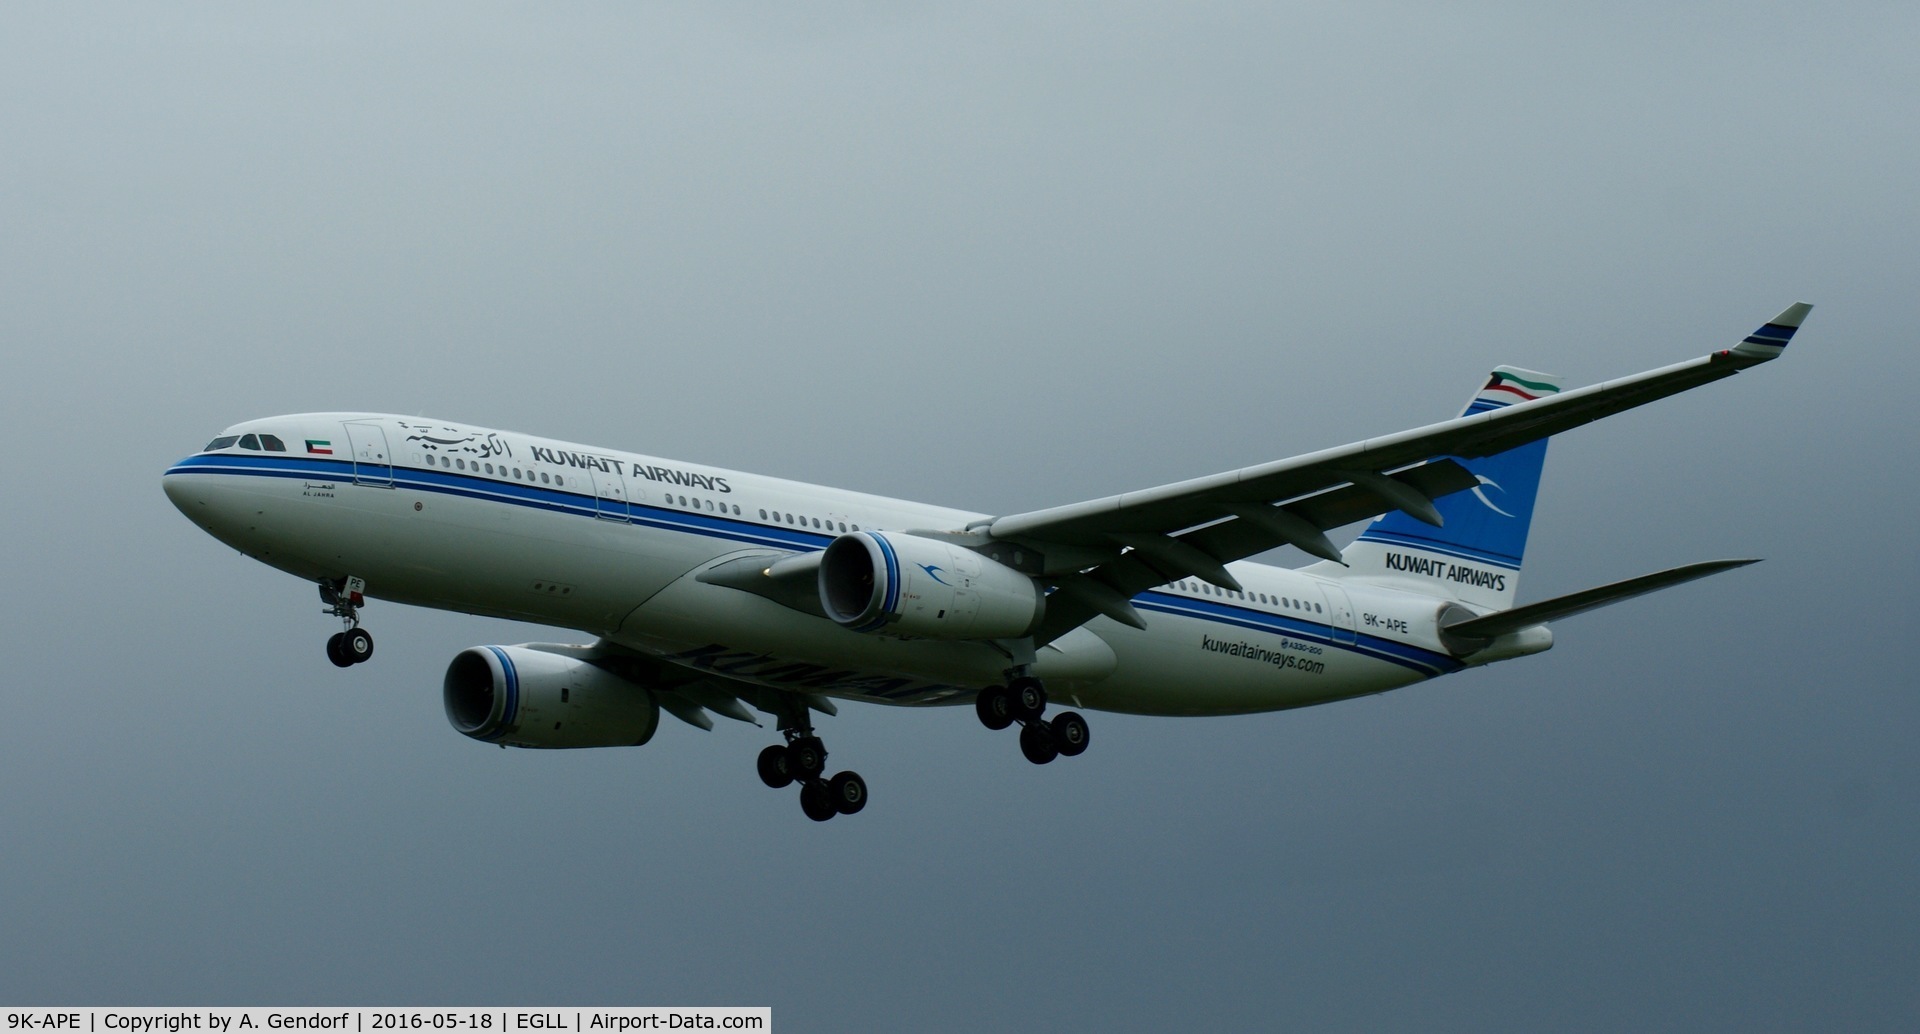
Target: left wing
[688, 694]
[1102, 552]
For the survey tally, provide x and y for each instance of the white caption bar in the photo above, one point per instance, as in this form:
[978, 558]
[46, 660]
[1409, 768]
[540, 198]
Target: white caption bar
[362, 1020]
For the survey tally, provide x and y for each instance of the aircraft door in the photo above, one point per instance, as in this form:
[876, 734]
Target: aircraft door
[609, 495]
[372, 463]
[1339, 612]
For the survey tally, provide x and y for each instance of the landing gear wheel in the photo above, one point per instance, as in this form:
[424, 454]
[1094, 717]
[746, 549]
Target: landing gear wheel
[994, 705]
[336, 650]
[1036, 742]
[817, 801]
[773, 767]
[356, 645]
[1069, 734]
[848, 792]
[1029, 697]
[806, 756]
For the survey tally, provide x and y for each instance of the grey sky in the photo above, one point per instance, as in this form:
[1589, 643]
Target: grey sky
[998, 258]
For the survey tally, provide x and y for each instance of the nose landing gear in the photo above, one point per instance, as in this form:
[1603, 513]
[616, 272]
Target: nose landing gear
[1024, 700]
[344, 599]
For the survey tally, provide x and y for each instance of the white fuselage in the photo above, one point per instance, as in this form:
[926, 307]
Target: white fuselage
[611, 543]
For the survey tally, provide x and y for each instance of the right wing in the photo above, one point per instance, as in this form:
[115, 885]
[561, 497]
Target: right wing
[1102, 552]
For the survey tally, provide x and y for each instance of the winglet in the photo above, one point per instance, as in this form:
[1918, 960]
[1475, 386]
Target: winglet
[1771, 339]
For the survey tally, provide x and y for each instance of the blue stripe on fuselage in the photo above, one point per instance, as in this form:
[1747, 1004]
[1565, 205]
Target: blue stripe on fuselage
[1426, 662]
[468, 486]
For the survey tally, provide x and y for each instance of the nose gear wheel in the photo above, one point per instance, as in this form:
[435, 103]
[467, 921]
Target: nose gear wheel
[344, 600]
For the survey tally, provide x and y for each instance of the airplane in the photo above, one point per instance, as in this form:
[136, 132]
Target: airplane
[717, 592]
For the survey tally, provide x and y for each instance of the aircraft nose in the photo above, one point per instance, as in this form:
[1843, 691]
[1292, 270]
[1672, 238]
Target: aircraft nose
[188, 495]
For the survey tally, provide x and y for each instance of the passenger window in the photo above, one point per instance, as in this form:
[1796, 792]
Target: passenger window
[816, 522]
[558, 480]
[763, 515]
[516, 473]
[462, 464]
[221, 443]
[250, 442]
[543, 477]
[1317, 610]
[856, 527]
[445, 462]
[272, 443]
[489, 468]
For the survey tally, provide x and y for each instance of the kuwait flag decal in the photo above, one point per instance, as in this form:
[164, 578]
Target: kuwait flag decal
[320, 446]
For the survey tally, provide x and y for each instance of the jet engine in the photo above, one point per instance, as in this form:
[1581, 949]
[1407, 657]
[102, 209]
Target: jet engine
[913, 587]
[524, 696]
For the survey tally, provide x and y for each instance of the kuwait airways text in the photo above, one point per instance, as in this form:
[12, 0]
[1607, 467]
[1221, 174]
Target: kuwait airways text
[1262, 655]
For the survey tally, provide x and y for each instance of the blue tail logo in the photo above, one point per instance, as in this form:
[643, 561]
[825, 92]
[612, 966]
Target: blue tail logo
[1480, 494]
[1477, 528]
[1475, 554]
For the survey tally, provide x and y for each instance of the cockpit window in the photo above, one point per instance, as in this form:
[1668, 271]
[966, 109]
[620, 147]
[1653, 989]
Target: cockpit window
[251, 441]
[224, 442]
[272, 443]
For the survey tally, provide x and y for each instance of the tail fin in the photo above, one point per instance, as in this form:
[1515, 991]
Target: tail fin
[1474, 556]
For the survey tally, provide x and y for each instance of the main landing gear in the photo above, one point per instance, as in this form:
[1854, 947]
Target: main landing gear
[344, 600]
[803, 759]
[1023, 699]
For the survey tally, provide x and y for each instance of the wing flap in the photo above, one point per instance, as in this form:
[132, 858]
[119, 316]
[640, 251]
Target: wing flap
[1107, 588]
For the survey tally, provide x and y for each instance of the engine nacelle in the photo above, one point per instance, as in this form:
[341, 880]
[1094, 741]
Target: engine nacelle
[527, 697]
[904, 585]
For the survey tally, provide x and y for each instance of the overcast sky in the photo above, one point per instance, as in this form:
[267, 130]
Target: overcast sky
[998, 258]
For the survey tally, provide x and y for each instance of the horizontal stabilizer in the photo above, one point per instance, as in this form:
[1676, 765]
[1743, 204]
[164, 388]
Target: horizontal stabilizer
[1494, 625]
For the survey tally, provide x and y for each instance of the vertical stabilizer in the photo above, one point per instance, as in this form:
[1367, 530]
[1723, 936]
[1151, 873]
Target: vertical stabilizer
[1475, 555]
